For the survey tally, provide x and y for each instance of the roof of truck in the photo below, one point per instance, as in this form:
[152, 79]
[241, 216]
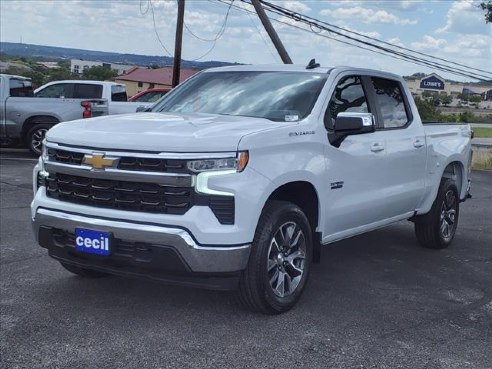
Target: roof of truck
[301, 68]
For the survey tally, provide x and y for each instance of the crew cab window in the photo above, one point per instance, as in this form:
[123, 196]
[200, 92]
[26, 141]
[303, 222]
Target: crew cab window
[389, 98]
[57, 91]
[20, 88]
[348, 96]
[87, 91]
[118, 93]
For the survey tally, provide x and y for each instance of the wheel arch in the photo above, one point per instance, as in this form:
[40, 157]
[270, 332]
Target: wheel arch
[37, 119]
[455, 170]
[303, 194]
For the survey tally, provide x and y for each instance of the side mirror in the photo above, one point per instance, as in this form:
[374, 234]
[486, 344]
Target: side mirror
[144, 109]
[348, 123]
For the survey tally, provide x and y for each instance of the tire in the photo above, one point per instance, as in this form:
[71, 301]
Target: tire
[35, 136]
[83, 272]
[280, 260]
[436, 229]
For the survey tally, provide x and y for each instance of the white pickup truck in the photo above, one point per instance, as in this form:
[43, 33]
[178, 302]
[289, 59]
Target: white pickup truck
[239, 175]
[114, 93]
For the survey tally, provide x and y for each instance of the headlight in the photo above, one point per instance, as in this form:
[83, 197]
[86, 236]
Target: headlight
[44, 151]
[207, 165]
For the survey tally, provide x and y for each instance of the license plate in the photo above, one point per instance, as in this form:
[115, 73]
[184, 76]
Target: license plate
[92, 242]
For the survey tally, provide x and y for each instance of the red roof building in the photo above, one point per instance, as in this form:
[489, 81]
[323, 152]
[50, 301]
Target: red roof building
[141, 79]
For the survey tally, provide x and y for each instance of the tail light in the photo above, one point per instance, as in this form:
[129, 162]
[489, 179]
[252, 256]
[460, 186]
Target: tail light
[87, 113]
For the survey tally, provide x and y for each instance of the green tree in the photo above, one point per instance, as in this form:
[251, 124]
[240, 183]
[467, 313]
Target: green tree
[36, 76]
[99, 73]
[446, 99]
[427, 110]
[466, 117]
[487, 7]
[475, 98]
[427, 94]
[58, 74]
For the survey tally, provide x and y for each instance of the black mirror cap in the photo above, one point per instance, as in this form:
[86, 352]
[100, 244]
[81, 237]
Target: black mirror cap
[354, 123]
[144, 109]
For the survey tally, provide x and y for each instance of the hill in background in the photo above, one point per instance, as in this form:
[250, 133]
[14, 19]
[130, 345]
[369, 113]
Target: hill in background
[57, 53]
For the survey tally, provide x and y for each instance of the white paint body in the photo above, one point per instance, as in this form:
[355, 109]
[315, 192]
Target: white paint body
[379, 187]
[114, 107]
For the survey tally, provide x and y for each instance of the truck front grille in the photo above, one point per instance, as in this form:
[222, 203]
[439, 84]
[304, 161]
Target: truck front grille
[135, 196]
[123, 195]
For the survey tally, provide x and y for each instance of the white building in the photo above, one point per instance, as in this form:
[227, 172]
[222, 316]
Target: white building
[78, 66]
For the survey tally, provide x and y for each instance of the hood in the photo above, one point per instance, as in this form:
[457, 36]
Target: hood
[160, 132]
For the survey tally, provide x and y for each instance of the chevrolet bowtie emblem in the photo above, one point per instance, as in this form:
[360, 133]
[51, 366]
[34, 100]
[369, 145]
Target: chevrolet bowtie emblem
[98, 161]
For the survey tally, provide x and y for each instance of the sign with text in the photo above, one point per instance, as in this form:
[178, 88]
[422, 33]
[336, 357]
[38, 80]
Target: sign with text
[432, 83]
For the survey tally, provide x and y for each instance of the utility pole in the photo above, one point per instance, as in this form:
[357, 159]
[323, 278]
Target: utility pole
[178, 43]
[271, 32]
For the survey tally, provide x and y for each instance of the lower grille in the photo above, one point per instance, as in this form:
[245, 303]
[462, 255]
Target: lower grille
[133, 196]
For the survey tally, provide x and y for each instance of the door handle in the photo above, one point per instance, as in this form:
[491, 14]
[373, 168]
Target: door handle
[377, 147]
[418, 143]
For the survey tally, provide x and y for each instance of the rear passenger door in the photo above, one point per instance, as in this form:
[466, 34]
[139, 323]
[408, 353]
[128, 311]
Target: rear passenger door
[404, 144]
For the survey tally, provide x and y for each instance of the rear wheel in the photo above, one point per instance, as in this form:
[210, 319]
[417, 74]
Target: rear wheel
[35, 137]
[437, 228]
[280, 260]
[83, 272]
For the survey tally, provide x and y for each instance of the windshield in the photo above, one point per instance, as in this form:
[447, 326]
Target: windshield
[278, 96]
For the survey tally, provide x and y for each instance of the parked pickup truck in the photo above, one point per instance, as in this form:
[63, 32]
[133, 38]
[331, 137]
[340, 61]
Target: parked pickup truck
[25, 119]
[114, 93]
[239, 175]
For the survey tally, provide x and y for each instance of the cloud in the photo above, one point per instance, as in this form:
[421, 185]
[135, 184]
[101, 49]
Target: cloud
[476, 46]
[429, 43]
[296, 6]
[465, 17]
[366, 15]
[396, 41]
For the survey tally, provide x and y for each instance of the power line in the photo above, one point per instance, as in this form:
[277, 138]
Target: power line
[314, 22]
[380, 50]
[376, 39]
[263, 38]
[217, 36]
[330, 37]
[219, 33]
[151, 7]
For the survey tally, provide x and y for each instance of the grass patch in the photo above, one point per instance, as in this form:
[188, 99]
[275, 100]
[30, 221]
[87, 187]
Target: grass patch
[482, 132]
[482, 160]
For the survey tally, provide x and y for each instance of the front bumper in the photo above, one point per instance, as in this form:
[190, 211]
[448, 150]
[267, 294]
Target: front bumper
[142, 249]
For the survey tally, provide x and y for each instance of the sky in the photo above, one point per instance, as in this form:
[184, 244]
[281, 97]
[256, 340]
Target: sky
[453, 30]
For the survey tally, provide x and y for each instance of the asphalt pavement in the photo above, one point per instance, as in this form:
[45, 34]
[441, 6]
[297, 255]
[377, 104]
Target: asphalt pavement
[375, 301]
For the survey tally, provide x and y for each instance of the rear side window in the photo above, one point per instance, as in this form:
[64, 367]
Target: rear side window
[118, 93]
[389, 98]
[151, 96]
[348, 96]
[87, 91]
[59, 90]
[20, 88]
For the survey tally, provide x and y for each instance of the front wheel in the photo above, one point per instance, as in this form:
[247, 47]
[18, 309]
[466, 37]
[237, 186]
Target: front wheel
[35, 137]
[437, 228]
[280, 260]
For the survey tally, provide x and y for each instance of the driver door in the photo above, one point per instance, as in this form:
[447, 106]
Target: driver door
[356, 167]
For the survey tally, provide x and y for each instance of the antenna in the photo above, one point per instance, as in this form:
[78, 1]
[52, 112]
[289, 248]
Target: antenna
[312, 64]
